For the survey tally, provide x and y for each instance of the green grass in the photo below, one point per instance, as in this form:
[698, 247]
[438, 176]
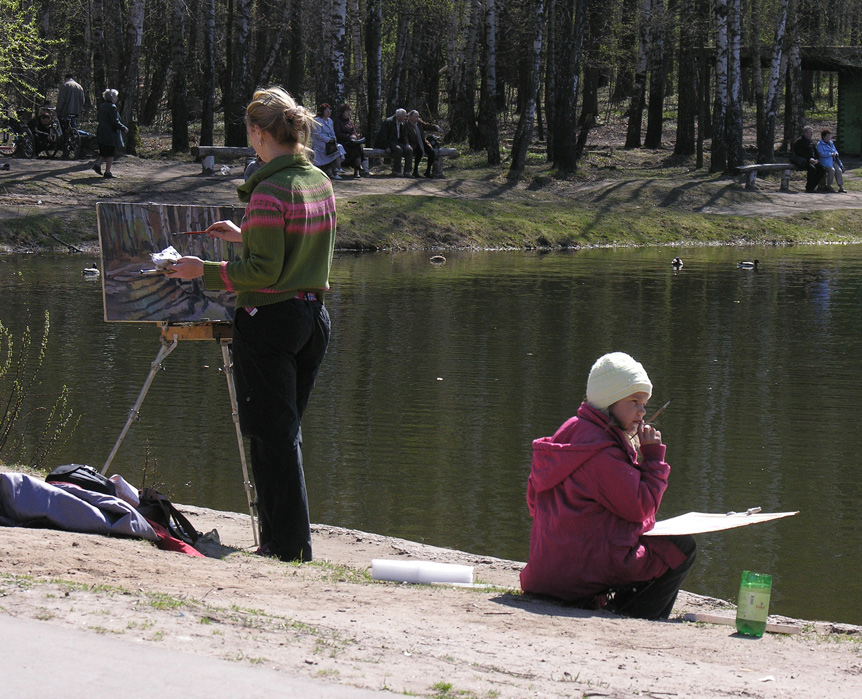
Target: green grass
[428, 222]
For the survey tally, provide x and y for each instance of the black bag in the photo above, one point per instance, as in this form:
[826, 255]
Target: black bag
[331, 147]
[84, 476]
[157, 508]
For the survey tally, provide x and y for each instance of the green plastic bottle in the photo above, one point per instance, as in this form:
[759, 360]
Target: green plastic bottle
[753, 608]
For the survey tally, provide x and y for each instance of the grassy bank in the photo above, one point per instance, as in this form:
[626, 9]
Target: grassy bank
[398, 222]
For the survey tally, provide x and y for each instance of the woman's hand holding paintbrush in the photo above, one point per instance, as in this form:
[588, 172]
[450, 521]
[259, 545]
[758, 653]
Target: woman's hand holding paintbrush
[225, 230]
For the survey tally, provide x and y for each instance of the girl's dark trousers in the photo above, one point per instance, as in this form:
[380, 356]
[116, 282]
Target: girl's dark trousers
[278, 350]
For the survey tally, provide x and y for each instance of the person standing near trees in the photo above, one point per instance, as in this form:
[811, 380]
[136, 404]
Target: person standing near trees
[109, 133]
[70, 100]
[281, 328]
[804, 157]
[827, 153]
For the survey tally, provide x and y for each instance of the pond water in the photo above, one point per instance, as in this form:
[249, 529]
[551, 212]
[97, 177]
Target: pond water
[439, 377]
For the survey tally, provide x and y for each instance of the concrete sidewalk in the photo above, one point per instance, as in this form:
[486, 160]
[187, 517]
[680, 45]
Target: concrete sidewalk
[39, 659]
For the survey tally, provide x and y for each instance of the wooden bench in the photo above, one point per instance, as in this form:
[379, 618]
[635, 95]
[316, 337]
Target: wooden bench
[207, 154]
[442, 154]
[748, 173]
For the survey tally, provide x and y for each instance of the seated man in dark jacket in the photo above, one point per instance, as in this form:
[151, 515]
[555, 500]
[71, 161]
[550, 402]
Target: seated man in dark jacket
[418, 140]
[804, 157]
[392, 138]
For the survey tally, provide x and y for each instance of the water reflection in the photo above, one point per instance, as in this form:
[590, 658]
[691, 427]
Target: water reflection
[439, 377]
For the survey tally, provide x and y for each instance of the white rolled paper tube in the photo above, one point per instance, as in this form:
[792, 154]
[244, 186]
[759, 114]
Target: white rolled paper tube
[420, 571]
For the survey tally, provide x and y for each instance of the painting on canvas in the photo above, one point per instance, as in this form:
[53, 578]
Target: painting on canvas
[129, 235]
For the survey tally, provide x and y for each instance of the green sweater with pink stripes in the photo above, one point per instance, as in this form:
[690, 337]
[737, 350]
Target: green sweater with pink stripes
[288, 235]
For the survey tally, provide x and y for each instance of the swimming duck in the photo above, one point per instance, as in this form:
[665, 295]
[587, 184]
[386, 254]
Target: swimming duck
[91, 271]
[677, 263]
[748, 265]
[438, 260]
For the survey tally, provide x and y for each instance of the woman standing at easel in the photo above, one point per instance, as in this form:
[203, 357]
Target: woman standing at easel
[281, 329]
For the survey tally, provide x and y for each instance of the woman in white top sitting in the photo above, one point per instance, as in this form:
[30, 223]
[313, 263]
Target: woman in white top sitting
[328, 153]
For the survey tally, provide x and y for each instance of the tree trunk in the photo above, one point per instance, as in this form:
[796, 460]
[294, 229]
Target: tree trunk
[489, 134]
[636, 104]
[687, 111]
[296, 52]
[655, 111]
[524, 130]
[794, 116]
[373, 56]
[100, 80]
[179, 103]
[571, 34]
[131, 70]
[396, 95]
[238, 97]
[766, 140]
[734, 75]
[551, 60]
[718, 161]
[358, 67]
[338, 19]
[207, 87]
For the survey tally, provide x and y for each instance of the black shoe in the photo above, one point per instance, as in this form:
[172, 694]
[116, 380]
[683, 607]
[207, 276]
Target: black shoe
[109, 176]
[97, 169]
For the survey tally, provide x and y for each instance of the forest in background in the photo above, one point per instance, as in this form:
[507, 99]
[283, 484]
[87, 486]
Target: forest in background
[551, 68]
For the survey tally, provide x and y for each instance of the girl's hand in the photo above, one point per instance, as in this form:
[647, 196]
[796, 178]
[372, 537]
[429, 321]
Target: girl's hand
[647, 434]
[186, 268]
[226, 230]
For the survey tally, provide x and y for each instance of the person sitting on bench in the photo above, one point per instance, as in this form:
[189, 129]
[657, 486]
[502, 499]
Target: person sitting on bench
[804, 157]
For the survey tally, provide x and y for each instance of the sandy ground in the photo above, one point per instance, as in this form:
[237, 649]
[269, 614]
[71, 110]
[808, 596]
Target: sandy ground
[329, 621]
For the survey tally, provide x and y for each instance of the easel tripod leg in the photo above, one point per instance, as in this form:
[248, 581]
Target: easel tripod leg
[228, 372]
[166, 349]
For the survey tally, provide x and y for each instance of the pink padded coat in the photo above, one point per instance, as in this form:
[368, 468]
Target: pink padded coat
[591, 501]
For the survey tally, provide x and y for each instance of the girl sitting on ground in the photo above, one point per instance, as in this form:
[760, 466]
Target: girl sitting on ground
[594, 490]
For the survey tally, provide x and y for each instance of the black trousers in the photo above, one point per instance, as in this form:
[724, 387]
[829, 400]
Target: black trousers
[417, 158]
[277, 354]
[654, 599]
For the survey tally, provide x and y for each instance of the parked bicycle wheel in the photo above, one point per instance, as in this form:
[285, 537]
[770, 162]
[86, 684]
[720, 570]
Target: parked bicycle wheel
[72, 145]
[25, 147]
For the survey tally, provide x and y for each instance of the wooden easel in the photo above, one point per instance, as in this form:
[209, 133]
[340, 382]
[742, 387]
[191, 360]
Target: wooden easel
[171, 334]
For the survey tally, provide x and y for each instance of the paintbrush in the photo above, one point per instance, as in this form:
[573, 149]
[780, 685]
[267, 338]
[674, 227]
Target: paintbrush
[658, 412]
[190, 233]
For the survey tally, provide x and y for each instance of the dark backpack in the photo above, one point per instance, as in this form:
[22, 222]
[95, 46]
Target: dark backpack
[157, 508]
[84, 476]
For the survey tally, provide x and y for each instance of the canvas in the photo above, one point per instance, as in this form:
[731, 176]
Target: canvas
[130, 233]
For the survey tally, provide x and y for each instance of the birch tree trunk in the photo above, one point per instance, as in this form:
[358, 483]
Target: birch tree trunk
[358, 67]
[718, 161]
[636, 104]
[338, 20]
[131, 71]
[179, 102]
[238, 96]
[551, 60]
[489, 134]
[207, 87]
[655, 111]
[734, 77]
[766, 140]
[373, 55]
[524, 130]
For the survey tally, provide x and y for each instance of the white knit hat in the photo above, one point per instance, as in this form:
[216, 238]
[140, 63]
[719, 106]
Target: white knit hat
[615, 376]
